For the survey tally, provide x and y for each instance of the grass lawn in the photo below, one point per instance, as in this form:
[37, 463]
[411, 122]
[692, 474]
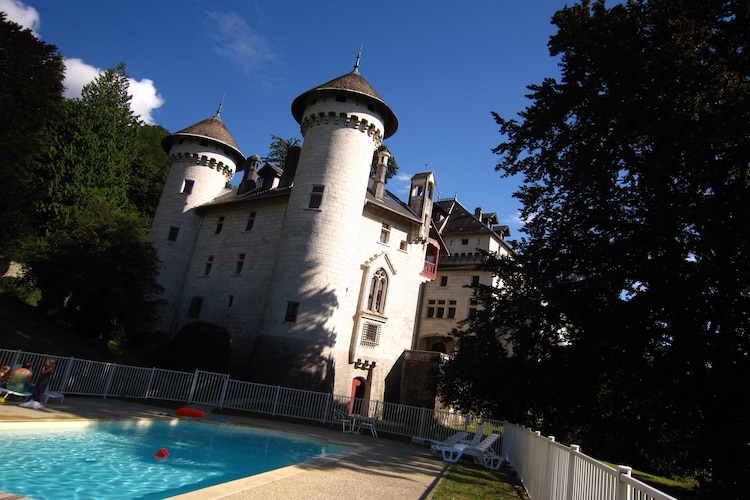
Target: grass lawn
[468, 481]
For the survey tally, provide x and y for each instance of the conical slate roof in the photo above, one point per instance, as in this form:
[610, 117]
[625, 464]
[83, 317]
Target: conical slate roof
[211, 128]
[353, 83]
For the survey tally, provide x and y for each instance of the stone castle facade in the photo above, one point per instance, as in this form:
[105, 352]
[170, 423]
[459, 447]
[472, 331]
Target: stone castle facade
[317, 271]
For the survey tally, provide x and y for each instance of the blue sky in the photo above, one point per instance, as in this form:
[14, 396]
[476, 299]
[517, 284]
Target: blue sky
[443, 67]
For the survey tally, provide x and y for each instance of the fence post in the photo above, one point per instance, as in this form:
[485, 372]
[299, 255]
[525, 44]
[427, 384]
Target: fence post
[110, 376]
[66, 374]
[192, 387]
[548, 468]
[150, 382]
[276, 400]
[420, 432]
[623, 488]
[16, 358]
[327, 409]
[574, 449]
[224, 391]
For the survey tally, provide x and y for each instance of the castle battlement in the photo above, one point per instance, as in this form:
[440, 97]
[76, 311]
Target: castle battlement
[342, 119]
[201, 160]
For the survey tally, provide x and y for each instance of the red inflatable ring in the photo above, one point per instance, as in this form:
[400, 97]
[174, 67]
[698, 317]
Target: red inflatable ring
[190, 412]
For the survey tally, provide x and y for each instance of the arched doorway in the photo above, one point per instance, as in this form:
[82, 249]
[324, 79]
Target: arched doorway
[359, 403]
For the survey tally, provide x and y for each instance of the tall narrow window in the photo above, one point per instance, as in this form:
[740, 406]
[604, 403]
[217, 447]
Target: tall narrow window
[219, 225]
[240, 263]
[173, 232]
[451, 308]
[444, 281]
[292, 309]
[431, 308]
[209, 264]
[385, 232]
[250, 221]
[440, 311]
[316, 197]
[472, 307]
[474, 280]
[378, 289]
[187, 186]
[195, 307]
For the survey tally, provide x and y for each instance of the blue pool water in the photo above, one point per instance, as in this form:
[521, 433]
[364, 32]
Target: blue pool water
[117, 459]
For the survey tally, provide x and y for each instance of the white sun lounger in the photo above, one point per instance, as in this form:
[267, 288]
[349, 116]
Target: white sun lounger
[482, 453]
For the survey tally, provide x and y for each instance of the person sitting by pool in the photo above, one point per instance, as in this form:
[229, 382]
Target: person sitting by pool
[37, 391]
[20, 378]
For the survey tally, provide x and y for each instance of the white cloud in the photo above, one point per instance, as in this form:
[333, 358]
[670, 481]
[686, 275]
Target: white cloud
[21, 14]
[78, 74]
[237, 42]
[145, 99]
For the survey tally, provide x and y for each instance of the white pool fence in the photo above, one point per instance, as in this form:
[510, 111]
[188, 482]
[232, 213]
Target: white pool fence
[549, 470]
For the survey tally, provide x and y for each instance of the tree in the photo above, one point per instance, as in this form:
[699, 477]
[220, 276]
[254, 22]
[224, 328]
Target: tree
[31, 92]
[93, 262]
[90, 151]
[636, 197]
[151, 167]
[279, 149]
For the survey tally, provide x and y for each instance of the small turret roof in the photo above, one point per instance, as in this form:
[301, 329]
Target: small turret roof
[211, 128]
[352, 83]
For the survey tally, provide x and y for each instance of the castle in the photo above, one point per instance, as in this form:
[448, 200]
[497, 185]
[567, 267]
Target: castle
[317, 271]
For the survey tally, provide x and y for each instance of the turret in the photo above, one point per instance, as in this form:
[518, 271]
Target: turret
[342, 121]
[203, 158]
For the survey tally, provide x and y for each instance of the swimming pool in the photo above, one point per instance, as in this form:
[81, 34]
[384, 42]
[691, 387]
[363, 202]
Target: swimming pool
[116, 459]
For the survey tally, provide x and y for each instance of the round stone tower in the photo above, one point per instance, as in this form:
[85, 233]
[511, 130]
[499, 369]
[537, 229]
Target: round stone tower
[202, 159]
[342, 122]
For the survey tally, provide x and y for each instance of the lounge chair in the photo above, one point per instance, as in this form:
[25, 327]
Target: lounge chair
[368, 423]
[346, 420]
[449, 441]
[482, 453]
[52, 396]
[478, 437]
[4, 393]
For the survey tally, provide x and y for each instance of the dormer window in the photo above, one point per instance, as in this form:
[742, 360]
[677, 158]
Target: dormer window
[385, 232]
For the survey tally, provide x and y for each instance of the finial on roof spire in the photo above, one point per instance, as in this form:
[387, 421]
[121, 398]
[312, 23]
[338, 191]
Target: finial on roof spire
[221, 104]
[356, 63]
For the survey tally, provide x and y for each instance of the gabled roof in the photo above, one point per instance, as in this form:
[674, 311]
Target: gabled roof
[460, 221]
[351, 83]
[391, 203]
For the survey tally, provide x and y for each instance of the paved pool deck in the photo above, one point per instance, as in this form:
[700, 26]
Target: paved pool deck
[376, 468]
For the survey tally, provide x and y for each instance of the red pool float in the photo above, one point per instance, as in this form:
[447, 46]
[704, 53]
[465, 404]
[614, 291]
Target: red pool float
[190, 412]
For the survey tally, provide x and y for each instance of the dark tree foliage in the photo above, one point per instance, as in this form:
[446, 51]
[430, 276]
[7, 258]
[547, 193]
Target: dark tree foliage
[31, 92]
[627, 305]
[149, 170]
[99, 275]
[279, 149]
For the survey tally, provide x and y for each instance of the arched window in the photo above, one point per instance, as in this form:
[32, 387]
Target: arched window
[378, 289]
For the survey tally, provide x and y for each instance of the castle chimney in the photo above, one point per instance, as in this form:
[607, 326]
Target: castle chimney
[380, 171]
[478, 213]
